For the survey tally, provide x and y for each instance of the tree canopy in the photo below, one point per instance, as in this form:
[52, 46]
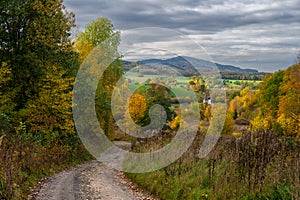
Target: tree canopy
[38, 64]
[95, 33]
[34, 34]
[279, 96]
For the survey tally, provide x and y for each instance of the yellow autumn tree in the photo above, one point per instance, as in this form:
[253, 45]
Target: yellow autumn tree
[84, 48]
[176, 122]
[207, 112]
[248, 98]
[234, 107]
[137, 107]
[262, 120]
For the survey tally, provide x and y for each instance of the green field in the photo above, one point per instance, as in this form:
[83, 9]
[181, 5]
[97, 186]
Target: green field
[180, 84]
[179, 88]
[236, 84]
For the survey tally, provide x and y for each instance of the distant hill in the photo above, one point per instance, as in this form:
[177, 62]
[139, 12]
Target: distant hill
[184, 64]
[190, 66]
[231, 68]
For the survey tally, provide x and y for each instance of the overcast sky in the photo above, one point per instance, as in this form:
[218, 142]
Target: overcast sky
[257, 34]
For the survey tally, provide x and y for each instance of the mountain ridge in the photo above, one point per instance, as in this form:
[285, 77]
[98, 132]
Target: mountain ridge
[183, 64]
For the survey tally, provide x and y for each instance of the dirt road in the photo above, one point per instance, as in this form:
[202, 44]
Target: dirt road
[92, 180]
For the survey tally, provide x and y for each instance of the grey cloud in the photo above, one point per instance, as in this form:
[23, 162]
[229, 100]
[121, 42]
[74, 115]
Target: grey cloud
[260, 32]
[206, 15]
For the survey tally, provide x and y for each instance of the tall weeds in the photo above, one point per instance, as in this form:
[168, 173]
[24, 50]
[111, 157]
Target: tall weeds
[24, 162]
[259, 165]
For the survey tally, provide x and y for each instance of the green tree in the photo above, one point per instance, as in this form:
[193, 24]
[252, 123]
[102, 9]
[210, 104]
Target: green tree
[269, 92]
[103, 97]
[34, 34]
[268, 98]
[158, 94]
[37, 52]
[50, 116]
[6, 95]
[95, 33]
[37, 67]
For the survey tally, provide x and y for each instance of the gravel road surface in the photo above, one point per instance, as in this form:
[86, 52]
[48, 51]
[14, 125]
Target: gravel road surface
[92, 180]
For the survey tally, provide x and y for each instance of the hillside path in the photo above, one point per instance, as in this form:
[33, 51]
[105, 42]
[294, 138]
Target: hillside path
[92, 180]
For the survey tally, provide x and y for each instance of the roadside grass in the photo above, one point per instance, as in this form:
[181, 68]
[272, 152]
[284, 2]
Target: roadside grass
[255, 166]
[24, 163]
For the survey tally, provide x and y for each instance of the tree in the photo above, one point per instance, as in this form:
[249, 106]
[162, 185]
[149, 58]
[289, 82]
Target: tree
[103, 97]
[84, 48]
[279, 97]
[34, 34]
[289, 101]
[50, 116]
[248, 98]
[269, 92]
[228, 126]
[95, 33]
[243, 105]
[197, 84]
[137, 107]
[235, 106]
[40, 63]
[37, 67]
[207, 112]
[158, 94]
[6, 95]
[176, 122]
[118, 99]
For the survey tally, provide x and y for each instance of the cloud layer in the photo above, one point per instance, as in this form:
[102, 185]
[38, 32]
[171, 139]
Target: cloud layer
[262, 34]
